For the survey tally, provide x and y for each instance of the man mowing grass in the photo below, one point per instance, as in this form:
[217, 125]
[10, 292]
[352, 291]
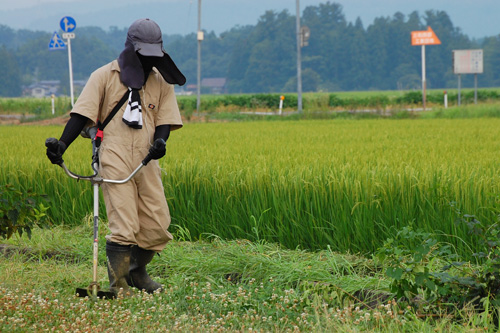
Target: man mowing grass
[138, 214]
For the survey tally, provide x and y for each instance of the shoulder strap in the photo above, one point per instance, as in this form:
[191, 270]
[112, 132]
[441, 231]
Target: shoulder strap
[114, 111]
[100, 126]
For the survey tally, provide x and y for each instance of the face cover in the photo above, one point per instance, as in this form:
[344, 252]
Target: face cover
[134, 70]
[147, 64]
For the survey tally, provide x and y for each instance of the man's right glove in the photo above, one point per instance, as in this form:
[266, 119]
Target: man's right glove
[158, 149]
[55, 150]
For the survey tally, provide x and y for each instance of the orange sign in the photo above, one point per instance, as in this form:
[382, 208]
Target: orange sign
[425, 37]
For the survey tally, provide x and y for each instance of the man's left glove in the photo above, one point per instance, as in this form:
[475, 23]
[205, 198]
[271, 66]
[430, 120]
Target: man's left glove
[55, 150]
[158, 149]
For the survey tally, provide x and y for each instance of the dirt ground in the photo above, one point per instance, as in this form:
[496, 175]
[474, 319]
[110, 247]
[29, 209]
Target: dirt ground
[14, 119]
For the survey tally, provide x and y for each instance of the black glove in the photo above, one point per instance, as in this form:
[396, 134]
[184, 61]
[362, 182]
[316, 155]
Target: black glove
[55, 150]
[158, 149]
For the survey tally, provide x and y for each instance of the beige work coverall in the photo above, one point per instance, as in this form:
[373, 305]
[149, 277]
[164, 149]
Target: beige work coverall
[137, 210]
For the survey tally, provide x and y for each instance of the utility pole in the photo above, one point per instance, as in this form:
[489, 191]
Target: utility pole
[68, 41]
[424, 80]
[200, 38]
[299, 61]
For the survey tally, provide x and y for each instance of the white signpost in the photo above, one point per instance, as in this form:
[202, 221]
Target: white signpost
[467, 62]
[67, 25]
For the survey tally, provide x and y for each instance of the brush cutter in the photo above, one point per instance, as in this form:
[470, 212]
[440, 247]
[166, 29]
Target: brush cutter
[94, 290]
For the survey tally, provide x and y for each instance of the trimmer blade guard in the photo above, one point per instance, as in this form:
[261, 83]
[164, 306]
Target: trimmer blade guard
[84, 292]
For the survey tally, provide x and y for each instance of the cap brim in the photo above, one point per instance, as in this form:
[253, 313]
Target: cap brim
[149, 50]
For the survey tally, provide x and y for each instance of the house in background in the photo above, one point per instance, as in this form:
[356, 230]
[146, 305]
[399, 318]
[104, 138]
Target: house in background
[47, 88]
[215, 85]
[209, 85]
[44, 88]
[78, 86]
[188, 89]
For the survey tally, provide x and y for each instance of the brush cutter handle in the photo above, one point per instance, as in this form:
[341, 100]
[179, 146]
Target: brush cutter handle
[91, 132]
[156, 151]
[76, 176]
[55, 150]
[146, 160]
[96, 179]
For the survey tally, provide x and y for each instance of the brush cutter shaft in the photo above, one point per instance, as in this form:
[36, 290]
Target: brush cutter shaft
[96, 235]
[96, 182]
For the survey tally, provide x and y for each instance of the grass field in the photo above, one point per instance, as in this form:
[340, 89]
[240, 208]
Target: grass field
[215, 286]
[275, 224]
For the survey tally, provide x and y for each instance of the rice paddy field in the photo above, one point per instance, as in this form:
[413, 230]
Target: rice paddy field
[342, 184]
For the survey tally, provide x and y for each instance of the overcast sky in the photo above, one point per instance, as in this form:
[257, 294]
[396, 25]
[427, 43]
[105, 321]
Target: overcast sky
[477, 18]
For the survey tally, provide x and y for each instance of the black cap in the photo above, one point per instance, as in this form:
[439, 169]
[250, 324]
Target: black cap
[146, 37]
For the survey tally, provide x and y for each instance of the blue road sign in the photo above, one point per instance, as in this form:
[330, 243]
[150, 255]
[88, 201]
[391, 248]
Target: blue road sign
[67, 24]
[56, 43]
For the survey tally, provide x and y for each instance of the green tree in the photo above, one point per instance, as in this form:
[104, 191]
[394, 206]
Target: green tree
[262, 58]
[271, 60]
[358, 77]
[10, 74]
[439, 64]
[6, 36]
[326, 44]
[88, 54]
[491, 59]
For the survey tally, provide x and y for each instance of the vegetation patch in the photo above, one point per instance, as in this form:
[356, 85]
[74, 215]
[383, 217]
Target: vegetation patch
[218, 285]
[346, 224]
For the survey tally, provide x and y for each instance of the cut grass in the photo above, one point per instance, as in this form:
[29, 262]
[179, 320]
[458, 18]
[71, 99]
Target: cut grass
[209, 286]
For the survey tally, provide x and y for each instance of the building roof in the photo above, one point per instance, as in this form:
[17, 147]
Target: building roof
[214, 82]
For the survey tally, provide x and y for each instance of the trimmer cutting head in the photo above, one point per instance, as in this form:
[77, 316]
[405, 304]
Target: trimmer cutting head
[84, 292]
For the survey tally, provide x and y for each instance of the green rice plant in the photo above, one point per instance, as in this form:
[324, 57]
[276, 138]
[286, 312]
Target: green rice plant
[347, 184]
[465, 111]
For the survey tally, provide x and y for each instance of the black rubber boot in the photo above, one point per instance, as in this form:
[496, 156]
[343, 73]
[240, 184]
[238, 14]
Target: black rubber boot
[118, 258]
[138, 277]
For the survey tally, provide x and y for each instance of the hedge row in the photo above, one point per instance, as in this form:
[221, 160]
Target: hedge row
[415, 97]
[318, 102]
[270, 102]
[251, 102]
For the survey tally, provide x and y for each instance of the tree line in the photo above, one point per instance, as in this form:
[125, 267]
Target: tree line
[261, 58]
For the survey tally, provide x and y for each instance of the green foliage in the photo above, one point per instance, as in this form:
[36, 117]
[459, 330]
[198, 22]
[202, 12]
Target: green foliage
[412, 98]
[411, 258]
[346, 183]
[261, 58]
[20, 211]
[10, 73]
[187, 104]
[391, 101]
[208, 285]
[429, 275]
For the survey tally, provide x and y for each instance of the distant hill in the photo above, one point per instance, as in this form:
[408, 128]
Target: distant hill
[476, 19]
[261, 58]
